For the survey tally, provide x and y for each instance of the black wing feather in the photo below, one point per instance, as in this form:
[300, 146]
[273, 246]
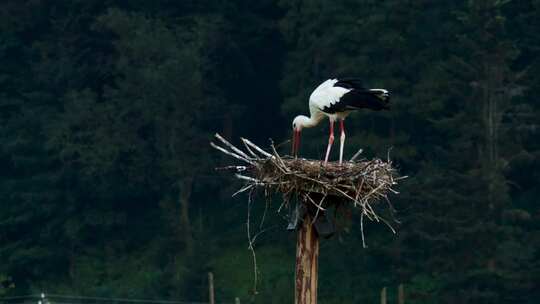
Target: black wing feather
[355, 100]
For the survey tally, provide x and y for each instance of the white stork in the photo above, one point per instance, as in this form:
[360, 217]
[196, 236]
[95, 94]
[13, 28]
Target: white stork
[335, 99]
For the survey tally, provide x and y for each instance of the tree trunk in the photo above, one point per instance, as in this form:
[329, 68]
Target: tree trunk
[184, 196]
[307, 263]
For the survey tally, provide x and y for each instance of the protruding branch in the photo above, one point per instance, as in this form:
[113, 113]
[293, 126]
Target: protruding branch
[235, 149]
[256, 147]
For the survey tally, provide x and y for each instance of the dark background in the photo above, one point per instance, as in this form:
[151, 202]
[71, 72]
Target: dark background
[107, 185]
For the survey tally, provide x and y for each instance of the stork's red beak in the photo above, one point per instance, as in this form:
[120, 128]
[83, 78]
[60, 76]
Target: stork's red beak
[295, 142]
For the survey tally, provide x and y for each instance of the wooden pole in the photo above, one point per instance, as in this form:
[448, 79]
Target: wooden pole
[383, 295]
[211, 288]
[307, 263]
[401, 294]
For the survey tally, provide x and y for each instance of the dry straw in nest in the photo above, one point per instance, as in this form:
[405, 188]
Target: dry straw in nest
[361, 183]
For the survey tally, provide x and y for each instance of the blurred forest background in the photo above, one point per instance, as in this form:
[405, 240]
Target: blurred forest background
[107, 107]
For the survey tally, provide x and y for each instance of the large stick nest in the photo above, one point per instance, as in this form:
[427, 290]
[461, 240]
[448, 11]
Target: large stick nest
[359, 182]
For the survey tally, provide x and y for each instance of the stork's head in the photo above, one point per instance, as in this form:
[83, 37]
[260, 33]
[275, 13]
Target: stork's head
[384, 96]
[298, 123]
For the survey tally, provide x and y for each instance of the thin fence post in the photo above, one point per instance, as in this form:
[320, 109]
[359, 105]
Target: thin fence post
[401, 294]
[383, 295]
[211, 287]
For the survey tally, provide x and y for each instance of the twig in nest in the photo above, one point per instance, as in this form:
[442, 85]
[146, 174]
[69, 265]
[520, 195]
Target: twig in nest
[250, 246]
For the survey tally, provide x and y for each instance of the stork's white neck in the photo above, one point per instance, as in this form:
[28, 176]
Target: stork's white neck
[306, 122]
[302, 121]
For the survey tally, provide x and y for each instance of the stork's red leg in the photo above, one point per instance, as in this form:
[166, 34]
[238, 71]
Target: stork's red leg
[297, 143]
[293, 144]
[341, 140]
[330, 141]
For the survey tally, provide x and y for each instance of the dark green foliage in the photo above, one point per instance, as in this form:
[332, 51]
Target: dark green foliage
[107, 185]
